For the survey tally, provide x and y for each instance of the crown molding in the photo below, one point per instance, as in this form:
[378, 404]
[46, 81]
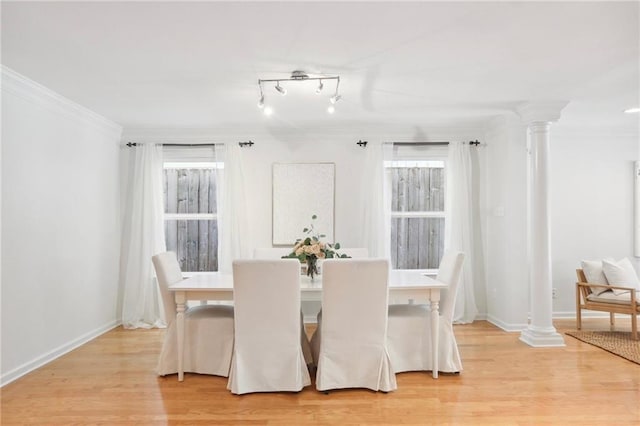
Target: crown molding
[17, 85]
[541, 111]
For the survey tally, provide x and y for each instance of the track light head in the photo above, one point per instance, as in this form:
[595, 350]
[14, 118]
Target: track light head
[261, 102]
[281, 89]
[335, 98]
[320, 87]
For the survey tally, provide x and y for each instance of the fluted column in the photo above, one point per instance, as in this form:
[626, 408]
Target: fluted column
[540, 331]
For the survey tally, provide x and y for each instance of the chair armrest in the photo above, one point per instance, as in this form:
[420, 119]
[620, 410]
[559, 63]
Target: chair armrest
[607, 286]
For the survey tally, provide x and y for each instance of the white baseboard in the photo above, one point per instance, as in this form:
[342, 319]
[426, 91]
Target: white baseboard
[556, 315]
[28, 367]
[566, 315]
[506, 326]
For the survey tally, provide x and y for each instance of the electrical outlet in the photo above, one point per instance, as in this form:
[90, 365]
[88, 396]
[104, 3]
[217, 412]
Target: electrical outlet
[554, 293]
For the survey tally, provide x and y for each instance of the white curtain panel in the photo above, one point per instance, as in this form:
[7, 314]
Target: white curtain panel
[376, 192]
[459, 226]
[233, 233]
[143, 237]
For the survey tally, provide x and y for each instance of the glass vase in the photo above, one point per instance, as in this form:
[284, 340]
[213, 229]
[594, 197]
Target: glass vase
[312, 266]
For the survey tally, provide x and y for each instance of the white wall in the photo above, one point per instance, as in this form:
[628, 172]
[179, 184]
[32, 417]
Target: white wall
[60, 225]
[349, 160]
[592, 190]
[506, 236]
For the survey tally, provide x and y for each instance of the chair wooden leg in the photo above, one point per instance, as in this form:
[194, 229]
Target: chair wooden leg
[579, 319]
[612, 317]
[634, 327]
[578, 309]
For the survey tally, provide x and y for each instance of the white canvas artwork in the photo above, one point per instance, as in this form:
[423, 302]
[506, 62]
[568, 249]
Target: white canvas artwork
[301, 190]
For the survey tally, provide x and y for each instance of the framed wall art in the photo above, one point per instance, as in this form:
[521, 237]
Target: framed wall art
[301, 190]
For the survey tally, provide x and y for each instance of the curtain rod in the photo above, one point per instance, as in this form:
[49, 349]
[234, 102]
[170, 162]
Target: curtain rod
[476, 143]
[363, 144]
[242, 144]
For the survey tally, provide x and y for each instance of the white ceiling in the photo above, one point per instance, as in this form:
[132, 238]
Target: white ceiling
[414, 64]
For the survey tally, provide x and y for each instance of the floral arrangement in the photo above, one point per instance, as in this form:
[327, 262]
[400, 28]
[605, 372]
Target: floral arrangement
[311, 248]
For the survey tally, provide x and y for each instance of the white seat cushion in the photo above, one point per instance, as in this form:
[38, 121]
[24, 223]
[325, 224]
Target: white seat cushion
[611, 297]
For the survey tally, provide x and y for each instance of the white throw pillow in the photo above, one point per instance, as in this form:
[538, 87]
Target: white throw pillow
[620, 273]
[595, 275]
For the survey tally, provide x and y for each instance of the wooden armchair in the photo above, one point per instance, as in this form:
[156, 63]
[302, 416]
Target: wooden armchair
[586, 299]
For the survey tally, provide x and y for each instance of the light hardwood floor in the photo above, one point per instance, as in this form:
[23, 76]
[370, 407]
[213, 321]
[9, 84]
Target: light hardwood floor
[111, 381]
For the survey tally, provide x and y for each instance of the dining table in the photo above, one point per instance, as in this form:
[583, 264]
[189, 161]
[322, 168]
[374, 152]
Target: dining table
[404, 284]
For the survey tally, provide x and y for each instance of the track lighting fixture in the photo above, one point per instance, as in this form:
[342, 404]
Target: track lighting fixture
[336, 97]
[281, 89]
[298, 76]
[261, 101]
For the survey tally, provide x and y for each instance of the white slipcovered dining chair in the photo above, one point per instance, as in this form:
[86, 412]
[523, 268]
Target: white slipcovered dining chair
[272, 253]
[409, 331]
[349, 344]
[267, 356]
[208, 329]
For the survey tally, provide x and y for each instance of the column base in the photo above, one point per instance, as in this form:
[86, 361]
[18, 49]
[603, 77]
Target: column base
[542, 338]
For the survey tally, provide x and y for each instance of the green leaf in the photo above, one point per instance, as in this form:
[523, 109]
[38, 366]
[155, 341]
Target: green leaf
[337, 246]
[314, 217]
[322, 236]
[307, 241]
[305, 230]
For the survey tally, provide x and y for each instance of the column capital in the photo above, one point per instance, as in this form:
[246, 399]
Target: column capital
[540, 111]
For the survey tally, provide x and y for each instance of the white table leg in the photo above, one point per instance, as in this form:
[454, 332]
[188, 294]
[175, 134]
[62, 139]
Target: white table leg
[435, 330]
[180, 302]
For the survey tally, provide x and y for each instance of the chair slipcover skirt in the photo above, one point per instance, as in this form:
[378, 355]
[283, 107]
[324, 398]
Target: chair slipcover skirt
[410, 341]
[208, 329]
[268, 354]
[409, 327]
[208, 342]
[350, 341]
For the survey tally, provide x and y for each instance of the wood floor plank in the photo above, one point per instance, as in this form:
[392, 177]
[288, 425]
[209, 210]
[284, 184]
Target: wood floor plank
[111, 381]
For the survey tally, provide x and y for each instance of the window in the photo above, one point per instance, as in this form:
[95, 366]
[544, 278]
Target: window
[417, 213]
[190, 207]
